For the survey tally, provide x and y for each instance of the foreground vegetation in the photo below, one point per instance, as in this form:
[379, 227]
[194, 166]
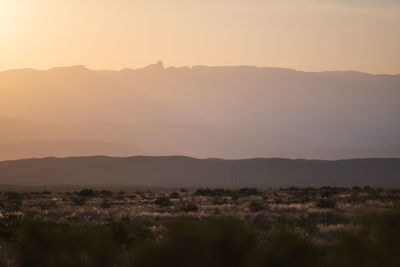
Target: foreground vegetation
[327, 226]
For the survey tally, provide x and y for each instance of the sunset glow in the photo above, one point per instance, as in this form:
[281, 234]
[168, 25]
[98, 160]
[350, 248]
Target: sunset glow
[242, 133]
[310, 35]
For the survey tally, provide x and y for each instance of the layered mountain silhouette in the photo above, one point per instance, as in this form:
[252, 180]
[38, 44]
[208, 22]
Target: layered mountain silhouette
[185, 171]
[200, 111]
[65, 148]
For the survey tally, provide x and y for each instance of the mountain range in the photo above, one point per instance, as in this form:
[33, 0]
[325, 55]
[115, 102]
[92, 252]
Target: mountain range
[228, 112]
[185, 171]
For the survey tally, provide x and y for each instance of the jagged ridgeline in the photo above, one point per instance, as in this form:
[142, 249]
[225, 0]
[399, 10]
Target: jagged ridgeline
[200, 111]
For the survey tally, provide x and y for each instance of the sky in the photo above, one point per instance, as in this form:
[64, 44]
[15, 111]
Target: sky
[309, 35]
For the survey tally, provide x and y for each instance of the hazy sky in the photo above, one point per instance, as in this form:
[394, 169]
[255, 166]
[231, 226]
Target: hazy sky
[311, 35]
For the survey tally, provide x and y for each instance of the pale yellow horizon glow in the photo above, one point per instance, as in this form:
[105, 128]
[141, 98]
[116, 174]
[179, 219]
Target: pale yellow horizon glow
[309, 35]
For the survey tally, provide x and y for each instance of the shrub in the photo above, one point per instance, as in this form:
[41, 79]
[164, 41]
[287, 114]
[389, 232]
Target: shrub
[235, 196]
[246, 191]
[326, 203]
[213, 242]
[220, 192]
[373, 242]
[328, 191]
[174, 195]
[219, 201]
[45, 205]
[190, 207]
[286, 248]
[163, 202]
[14, 205]
[256, 206]
[106, 193]
[86, 193]
[49, 244]
[105, 204]
[79, 201]
[13, 196]
[356, 188]
[120, 195]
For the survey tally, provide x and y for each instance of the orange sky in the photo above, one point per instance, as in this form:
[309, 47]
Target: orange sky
[311, 35]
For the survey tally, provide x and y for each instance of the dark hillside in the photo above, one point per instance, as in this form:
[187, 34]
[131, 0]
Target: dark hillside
[179, 170]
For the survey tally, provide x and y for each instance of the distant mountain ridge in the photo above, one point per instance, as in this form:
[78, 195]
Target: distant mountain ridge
[201, 111]
[186, 171]
[65, 148]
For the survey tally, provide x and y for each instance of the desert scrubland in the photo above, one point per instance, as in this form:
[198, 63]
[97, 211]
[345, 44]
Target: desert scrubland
[327, 226]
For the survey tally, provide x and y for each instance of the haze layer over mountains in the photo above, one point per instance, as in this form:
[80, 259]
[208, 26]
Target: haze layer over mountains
[228, 112]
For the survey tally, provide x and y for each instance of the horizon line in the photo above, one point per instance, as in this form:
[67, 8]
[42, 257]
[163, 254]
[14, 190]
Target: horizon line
[199, 158]
[190, 67]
